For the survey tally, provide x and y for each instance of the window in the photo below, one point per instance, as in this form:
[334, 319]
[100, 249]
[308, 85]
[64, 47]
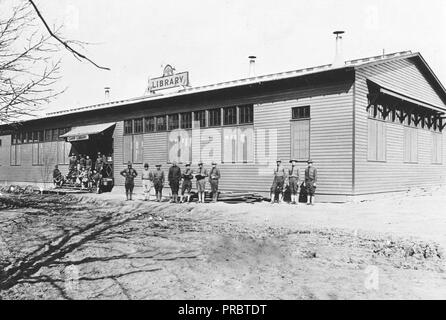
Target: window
[174, 121]
[161, 123]
[0, 142]
[48, 135]
[186, 120]
[63, 152]
[437, 150]
[128, 126]
[16, 155]
[376, 140]
[149, 124]
[300, 112]
[137, 126]
[410, 145]
[230, 115]
[62, 132]
[238, 144]
[246, 114]
[40, 136]
[179, 146]
[200, 116]
[133, 146]
[300, 139]
[214, 117]
[55, 134]
[20, 137]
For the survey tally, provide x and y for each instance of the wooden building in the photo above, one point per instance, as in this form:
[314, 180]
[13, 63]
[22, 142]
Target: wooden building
[372, 125]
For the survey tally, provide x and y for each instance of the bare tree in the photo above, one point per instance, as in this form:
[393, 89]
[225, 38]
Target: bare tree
[29, 60]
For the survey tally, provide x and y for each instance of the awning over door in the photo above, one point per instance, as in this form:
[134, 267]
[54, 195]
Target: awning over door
[84, 132]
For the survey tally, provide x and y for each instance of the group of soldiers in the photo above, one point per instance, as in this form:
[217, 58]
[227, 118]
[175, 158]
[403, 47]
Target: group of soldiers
[289, 178]
[83, 171]
[156, 178]
[283, 179]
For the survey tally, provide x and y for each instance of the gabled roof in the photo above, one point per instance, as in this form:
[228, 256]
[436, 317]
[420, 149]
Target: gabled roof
[354, 64]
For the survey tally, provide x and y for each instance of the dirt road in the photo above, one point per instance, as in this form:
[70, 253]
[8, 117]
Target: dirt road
[99, 248]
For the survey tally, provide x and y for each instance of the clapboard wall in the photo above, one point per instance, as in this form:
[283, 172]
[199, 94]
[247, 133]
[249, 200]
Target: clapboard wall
[393, 174]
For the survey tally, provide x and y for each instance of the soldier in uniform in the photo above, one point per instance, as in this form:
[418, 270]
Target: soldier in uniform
[147, 181]
[187, 183]
[83, 161]
[72, 169]
[201, 176]
[278, 182]
[293, 181]
[88, 163]
[57, 177]
[98, 165]
[310, 182]
[129, 174]
[214, 177]
[158, 182]
[174, 177]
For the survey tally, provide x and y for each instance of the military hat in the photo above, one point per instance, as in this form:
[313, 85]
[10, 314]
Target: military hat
[146, 164]
[200, 162]
[310, 161]
[129, 163]
[187, 164]
[278, 160]
[158, 165]
[213, 162]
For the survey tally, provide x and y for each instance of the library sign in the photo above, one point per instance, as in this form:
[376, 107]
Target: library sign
[169, 80]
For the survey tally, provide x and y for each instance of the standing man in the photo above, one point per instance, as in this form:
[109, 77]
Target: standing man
[187, 183]
[83, 161]
[129, 174]
[174, 178]
[214, 176]
[278, 182]
[158, 182]
[310, 182]
[147, 181]
[293, 181]
[98, 165]
[201, 176]
[88, 163]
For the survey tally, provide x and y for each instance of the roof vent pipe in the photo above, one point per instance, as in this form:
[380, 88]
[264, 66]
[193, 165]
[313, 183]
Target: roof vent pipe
[252, 66]
[107, 93]
[339, 57]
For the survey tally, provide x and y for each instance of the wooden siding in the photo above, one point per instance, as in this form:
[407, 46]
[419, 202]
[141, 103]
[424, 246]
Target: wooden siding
[394, 174]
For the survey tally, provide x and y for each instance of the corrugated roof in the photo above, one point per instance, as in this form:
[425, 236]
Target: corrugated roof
[236, 83]
[87, 130]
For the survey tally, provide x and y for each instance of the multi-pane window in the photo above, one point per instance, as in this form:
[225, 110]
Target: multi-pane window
[200, 117]
[410, 145]
[55, 134]
[174, 121]
[149, 124]
[376, 140]
[137, 126]
[48, 135]
[230, 115]
[214, 117]
[161, 123]
[246, 114]
[128, 126]
[300, 112]
[186, 120]
[40, 136]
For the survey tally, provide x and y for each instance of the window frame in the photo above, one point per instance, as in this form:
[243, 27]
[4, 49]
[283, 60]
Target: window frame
[305, 115]
[218, 112]
[242, 114]
[232, 116]
[164, 128]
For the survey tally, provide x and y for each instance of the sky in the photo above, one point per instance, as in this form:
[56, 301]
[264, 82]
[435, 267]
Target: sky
[213, 39]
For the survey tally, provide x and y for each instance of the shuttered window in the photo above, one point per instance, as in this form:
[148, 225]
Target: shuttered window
[128, 126]
[300, 140]
[214, 117]
[238, 144]
[16, 156]
[230, 115]
[437, 149]
[138, 148]
[174, 121]
[376, 140]
[127, 148]
[63, 152]
[149, 124]
[200, 117]
[137, 126]
[410, 145]
[179, 146]
[186, 120]
[246, 114]
[161, 124]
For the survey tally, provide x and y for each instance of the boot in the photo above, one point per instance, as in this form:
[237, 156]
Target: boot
[176, 198]
[272, 198]
[308, 200]
[312, 200]
[280, 198]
